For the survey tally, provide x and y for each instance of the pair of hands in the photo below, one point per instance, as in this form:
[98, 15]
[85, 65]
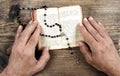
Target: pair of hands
[97, 48]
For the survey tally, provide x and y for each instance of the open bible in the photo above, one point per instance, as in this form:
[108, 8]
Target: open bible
[59, 26]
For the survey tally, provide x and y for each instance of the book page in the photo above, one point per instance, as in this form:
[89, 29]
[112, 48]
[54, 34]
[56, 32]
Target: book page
[69, 17]
[51, 18]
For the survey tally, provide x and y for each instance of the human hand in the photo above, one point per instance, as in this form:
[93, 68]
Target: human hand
[98, 48]
[22, 60]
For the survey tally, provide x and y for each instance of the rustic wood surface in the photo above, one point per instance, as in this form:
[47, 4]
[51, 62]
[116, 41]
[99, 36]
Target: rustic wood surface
[62, 63]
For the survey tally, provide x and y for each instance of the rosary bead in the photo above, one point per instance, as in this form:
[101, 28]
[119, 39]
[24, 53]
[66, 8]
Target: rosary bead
[53, 25]
[42, 34]
[60, 29]
[68, 44]
[28, 8]
[67, 38]
[71, 53]
[44, 20]
[56, 24]
[23, 8]
[70, 48]
[51, 36]
[54, 36]
[34, 8]
[48, 35]
[44, 14]
[50, 26]
[45, 23]
[60, 26]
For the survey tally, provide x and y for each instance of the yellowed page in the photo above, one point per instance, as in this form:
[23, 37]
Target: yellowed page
[69, 18]
[52, 18]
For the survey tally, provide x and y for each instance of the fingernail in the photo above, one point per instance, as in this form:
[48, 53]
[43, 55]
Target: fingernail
[80, 43]
[19, 27]
[99, 23]
[91, 18]
[85, 19]
[30, 22]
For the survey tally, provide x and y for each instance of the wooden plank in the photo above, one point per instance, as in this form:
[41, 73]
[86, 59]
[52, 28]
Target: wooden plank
[62, 63]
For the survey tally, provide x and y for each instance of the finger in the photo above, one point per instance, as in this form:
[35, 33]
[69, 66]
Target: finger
[43, 59]
[27, 32]
[98, 26]
[91, 30]
[87, 36]
[85, 51]
[19, 30]
[102, 26]
[32, 43]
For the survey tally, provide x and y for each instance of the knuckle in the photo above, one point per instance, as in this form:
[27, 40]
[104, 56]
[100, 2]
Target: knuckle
[33, 38]
[40, 68]
[16, 49]
[89, 61]
[27, 54]
[47, 57]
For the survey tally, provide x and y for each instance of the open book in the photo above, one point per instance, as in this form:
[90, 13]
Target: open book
[59, 26]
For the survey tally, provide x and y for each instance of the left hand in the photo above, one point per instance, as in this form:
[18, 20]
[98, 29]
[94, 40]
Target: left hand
[22, 60]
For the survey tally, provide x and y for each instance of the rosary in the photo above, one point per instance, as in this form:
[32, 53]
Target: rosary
[17, 8]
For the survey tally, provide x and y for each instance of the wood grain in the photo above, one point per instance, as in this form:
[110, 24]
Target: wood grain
[62, 63]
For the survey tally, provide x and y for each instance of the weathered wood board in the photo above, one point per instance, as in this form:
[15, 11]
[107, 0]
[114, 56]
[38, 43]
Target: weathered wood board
[62, 63]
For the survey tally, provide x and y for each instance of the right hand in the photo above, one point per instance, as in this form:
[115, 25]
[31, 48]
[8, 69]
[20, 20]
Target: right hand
[98, 48]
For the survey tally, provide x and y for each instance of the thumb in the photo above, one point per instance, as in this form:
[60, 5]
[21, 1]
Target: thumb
[85, 50]
[43, 59]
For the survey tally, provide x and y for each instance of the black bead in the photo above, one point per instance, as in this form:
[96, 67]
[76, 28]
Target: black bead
[23, 8]
[70, 48]
[18, 17]
[60, 29]
[45, 23]
[51, 36]
[54, 36]
[35, 8]
[42, 34]
[44, 20]
[48, 35]
[68, 44]
[32, 8]
[56, 23]
[44, 14]
[50, 26]
[67, 38]
[71, 53]
[60, 26]
[28, 8]
[45, 8]
[53, 25]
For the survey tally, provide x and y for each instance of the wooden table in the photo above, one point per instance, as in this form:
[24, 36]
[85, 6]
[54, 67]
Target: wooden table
[62, 63]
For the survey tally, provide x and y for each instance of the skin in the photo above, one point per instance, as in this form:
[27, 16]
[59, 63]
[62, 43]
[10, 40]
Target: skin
[97, 48]
[22, 60]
